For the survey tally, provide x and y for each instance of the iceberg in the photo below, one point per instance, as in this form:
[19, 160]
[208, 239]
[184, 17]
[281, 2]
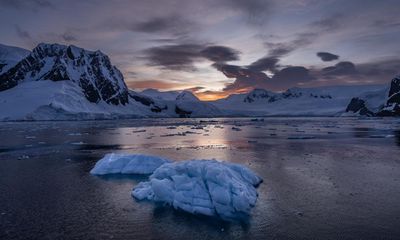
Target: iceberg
[206, 187]
[127, 164]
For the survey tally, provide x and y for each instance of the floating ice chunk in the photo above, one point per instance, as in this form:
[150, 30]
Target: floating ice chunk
[127, 164]
[205, 187]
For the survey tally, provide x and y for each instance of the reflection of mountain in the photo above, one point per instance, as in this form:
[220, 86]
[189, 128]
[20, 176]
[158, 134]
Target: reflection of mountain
[397, 136]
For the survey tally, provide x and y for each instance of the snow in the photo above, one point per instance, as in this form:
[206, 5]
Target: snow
[61, 100]
[206, 187]
[127, 164]
[320, 101]
[10, 56]
[154, 93]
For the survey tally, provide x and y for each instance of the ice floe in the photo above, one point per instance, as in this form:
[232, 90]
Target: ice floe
[206, 187]
[127, 164]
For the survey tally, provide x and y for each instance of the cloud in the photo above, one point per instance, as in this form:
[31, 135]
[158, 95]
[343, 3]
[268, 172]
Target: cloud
[174, 57]
[327, 57]
[23, 34]
[316, 29]
[291, 76]
[340, 69]
[156, 84]
[174, 24]
[220, 54]
[181, 57]
[23, 4]
[195, 89]
[264, 64]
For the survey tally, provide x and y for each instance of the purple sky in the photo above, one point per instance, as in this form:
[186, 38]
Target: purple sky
[221, 47]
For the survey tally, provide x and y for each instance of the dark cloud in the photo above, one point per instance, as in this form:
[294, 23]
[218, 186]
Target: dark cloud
[300, 40]
[340, 69]
[170, 24]
[279, 49]
[292, 76]
[327, 57]
[174, 57]
[247, 78]
[26, 4]
[264, 64]
[181, 57]
[220, 54]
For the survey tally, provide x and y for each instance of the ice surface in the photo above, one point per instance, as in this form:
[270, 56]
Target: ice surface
[127, 164]
[206, 187]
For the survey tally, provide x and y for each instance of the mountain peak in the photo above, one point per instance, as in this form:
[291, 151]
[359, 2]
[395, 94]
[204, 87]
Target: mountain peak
[257, 94]
[187, 96]
[91, 71]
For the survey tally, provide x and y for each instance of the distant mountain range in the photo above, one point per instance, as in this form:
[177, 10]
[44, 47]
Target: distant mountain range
[57, 82]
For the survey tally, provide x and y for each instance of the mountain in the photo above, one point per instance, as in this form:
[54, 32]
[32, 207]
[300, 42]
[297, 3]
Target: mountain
[91, 71]
[257, 95]
[57, 82]
[188, 105]
[10, 56]
[320, 101]
[154, 93]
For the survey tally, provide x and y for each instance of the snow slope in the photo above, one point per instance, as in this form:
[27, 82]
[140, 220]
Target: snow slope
[322, 101]
[62, 100]
[10, 56]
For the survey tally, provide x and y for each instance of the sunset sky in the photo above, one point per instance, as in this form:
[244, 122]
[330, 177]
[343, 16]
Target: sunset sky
[220, 47]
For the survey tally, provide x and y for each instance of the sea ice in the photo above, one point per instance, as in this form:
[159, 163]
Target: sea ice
[127, 164]
[207, 187]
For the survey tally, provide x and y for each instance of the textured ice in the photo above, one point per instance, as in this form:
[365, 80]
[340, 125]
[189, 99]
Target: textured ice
[206, 187]
[127, 164]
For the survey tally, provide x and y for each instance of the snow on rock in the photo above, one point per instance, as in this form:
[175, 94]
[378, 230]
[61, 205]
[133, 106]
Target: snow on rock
[127, 164]
[10, 56]
[206, 187]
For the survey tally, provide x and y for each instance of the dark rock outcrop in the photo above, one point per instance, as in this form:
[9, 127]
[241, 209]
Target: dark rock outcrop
[358, 105]
[392, 106]
[182, 113]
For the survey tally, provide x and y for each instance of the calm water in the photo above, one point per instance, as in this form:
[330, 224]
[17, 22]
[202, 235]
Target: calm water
[324, 178]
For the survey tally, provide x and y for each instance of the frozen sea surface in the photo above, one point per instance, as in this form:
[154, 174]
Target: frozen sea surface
[324, 178]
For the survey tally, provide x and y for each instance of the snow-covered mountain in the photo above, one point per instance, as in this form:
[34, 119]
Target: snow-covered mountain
[10, 56]
[183, 104]
[65, 82]
[154, 93]
[322, 101]
[91, 71]
[57, 82]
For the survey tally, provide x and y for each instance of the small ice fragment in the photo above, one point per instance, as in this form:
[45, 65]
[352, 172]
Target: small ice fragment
[236, 129]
